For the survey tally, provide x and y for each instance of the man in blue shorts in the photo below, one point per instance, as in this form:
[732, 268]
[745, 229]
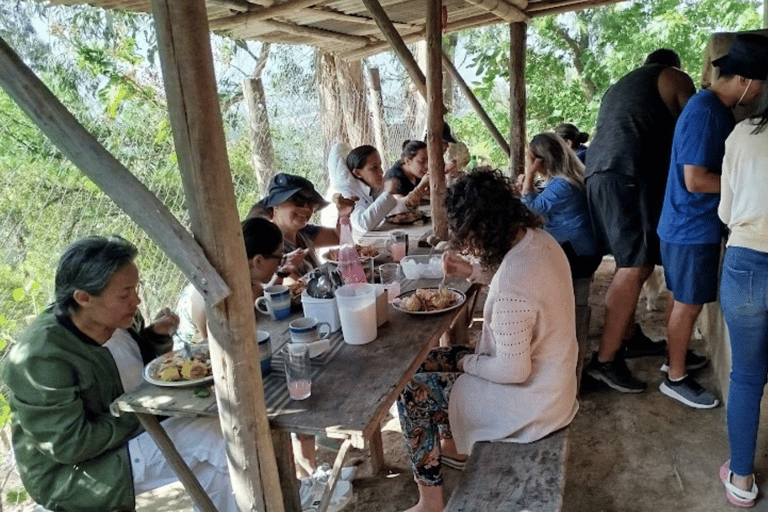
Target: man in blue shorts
[689, 229]
[627, 165]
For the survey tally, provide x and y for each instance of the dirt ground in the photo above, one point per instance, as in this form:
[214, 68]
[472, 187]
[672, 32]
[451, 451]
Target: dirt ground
[628, 453]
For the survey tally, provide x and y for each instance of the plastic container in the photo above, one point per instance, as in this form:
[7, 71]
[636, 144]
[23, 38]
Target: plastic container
[357, 312]
[325, 310]
[422, 266]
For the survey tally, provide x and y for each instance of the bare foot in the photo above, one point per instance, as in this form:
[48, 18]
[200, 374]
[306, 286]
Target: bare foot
[430, 499]
[421, 507]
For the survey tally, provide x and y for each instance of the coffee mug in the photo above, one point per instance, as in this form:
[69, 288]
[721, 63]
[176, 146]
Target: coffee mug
[265, 351]
[276, 301]
[307, 330]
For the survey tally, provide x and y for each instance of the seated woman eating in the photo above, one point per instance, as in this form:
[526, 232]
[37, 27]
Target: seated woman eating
[357, 174]
[290, 203]
[562, 202]
[519, 383]
[409, 175]
[78, 356]
[264, 250]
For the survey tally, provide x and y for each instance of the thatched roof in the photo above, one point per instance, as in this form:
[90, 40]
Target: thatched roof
[345, 27]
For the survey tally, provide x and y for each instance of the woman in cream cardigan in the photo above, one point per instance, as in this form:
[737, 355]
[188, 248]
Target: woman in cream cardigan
[519, 383]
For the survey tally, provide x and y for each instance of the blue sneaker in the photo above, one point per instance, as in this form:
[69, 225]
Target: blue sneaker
[689, 392]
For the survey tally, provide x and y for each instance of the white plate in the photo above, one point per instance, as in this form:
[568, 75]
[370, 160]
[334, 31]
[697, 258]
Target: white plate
[325, 255]
[150, 371]
[460, 298]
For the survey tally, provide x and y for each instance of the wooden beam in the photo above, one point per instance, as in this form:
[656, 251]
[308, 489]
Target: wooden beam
[502, 9]
[236, 20]
[517, 47]
[79, 146]
[537, 10]
[235, 5]
[484, 117]
[190, 85]
[382, 46]
[361, 20]
[398, 45]
[378, 47]
[435, 111]
[301, 30]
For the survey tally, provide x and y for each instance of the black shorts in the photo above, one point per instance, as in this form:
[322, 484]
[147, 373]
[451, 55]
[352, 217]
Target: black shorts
[624, 218]
[581, 266]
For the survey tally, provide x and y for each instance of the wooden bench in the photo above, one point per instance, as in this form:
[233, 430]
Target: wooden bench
[511, 477]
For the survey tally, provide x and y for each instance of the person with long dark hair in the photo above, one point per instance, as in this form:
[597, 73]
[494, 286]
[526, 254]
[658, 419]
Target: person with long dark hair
[357, 173]
[574, 138]
[744, 294]
[519, 383]
[410, 174]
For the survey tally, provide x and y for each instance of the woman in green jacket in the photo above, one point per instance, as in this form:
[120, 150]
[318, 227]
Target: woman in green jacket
[63, 373]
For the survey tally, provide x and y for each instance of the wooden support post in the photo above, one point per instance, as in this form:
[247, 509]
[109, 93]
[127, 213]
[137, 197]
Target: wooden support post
[398, 46]
[484, 117]
[286, 466]
[74, 141]
[377, 108]
[435, 122]
[193, 104]
[517, 45]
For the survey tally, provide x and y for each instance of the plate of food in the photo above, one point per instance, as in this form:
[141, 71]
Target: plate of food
[365, 252]
[175, 370]
[429, 301]
[405, 218]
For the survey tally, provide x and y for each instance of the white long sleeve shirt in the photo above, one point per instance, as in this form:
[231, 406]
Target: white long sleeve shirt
[744, 187]
[520, 384]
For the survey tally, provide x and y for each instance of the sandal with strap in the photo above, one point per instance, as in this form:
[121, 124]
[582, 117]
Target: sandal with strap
[734, 495]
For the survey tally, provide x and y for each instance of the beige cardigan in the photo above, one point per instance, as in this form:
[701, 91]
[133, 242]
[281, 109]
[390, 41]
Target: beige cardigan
[520, 384]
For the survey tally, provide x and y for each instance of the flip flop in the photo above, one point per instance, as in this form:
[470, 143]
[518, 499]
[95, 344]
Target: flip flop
[734, 495]
[453, 463]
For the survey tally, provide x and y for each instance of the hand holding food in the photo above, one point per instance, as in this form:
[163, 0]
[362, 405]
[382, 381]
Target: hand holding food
[455, 265]
[293, 260]
[166, 323]
[344, 205]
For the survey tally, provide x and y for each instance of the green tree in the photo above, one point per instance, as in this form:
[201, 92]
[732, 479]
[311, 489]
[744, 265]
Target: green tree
[572, 58]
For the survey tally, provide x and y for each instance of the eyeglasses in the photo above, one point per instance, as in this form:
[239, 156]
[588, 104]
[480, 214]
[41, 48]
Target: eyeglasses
[301, 201]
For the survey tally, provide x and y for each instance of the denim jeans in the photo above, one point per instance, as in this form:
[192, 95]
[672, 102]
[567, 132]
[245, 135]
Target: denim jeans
[744, 299]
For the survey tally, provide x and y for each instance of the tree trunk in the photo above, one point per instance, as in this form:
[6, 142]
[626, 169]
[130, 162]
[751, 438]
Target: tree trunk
[379, 122]
[262, 154]
[345, 116]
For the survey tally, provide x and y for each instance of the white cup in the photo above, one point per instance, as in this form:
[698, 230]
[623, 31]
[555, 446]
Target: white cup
[275, 302]
[306, 330]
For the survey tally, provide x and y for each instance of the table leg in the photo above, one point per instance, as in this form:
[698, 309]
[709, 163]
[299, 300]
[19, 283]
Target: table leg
[334, 476]
[186, 477]
[286, 469]
[376, 447]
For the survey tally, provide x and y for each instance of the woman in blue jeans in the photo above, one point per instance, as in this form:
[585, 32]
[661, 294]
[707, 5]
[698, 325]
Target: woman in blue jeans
[744, 295]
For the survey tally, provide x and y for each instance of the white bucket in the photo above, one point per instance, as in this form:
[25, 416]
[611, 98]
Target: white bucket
[325, 310]
[357, 312]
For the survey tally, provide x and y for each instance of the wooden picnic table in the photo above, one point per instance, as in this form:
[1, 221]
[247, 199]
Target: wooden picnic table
[352, 390]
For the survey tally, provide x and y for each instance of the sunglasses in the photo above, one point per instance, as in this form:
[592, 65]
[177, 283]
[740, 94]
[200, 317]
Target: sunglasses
[301, 201]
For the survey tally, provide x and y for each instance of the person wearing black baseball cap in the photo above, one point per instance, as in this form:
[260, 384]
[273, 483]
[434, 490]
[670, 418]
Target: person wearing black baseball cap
[291, 201]
[689, 228]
